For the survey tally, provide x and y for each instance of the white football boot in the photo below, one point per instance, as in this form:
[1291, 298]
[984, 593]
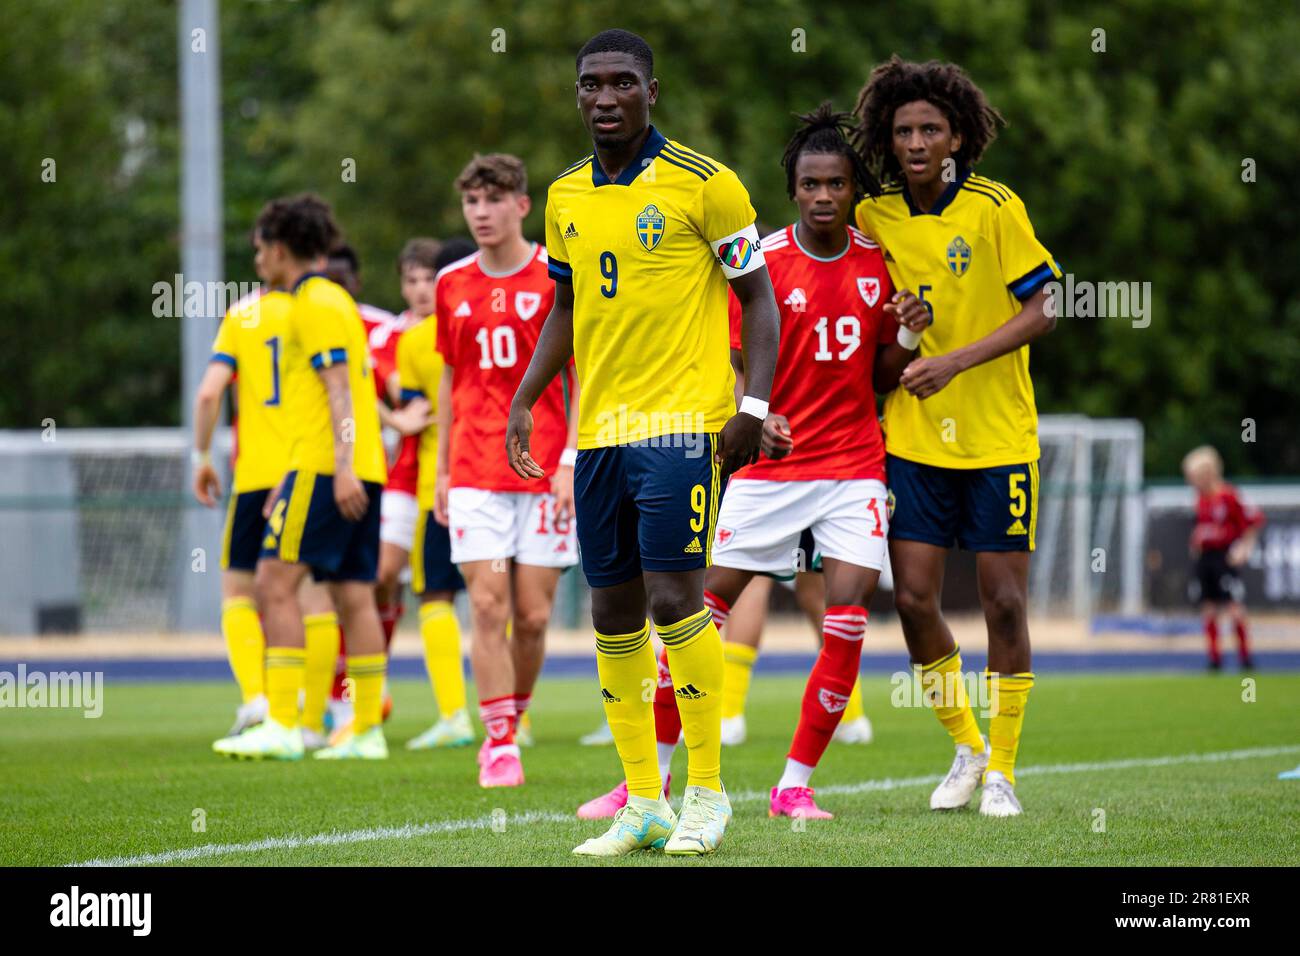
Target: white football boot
[963, 777]
[998, 798]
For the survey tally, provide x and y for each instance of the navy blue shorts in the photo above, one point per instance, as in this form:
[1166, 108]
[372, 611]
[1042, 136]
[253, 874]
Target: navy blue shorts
[981, 509]
[646, 506]
[431, 567]
[306, 527]
[241, 543]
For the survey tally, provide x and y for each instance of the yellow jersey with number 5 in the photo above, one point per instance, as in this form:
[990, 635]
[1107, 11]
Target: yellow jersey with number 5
[972, 259]
[649, 256]
[325, 329]
[251, 341]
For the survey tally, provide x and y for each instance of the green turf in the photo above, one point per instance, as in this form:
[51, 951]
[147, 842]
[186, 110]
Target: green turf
[129, 783]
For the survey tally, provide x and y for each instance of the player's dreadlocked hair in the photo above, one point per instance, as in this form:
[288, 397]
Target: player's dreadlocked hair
[304, 223]
[621, 41]
[946, 85]
[826, 131]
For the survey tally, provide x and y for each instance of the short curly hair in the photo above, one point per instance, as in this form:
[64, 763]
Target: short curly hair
[304, 223]
[494, 171]
[947, 86]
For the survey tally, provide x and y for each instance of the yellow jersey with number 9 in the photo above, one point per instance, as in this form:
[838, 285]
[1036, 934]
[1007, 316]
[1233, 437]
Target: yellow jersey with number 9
[649, 255]
[251, 341]
[325, 329]
[972, 259]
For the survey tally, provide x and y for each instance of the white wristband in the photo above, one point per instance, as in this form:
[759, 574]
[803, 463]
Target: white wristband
[754, 406]
[568, 457]
[907, 338]
[200, 459]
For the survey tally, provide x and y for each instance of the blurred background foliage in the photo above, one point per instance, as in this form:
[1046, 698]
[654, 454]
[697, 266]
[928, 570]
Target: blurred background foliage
[1130, 162]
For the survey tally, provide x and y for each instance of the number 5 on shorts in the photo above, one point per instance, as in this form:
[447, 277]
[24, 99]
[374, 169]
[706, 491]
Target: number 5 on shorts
[1017, 495]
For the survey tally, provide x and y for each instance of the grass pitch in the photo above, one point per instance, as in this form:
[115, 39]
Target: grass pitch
[1178, 769]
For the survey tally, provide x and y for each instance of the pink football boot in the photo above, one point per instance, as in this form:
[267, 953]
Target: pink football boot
[796, 802]
[504, 771]
[607, 805]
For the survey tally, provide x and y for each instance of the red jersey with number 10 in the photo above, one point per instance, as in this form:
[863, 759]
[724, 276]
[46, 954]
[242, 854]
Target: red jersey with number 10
[832, 320]
[488, 327]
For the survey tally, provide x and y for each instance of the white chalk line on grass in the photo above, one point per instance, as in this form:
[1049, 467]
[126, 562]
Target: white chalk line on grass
[530, 817]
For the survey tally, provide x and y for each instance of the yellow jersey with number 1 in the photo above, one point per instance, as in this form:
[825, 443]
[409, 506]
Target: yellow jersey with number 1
[973, 258]
[419, 372]
[325, 329]
[251, 341]
[649, 256]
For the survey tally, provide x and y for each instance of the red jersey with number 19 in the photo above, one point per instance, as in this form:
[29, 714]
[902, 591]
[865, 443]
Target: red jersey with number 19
[832, 320]
[488, 326]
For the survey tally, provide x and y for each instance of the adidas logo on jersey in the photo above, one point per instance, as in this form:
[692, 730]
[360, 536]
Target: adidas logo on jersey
[571, 233]
[609, 698]
[690, 692]
[463, 309]
[797, 300]
[1017, 528]
[693, 547]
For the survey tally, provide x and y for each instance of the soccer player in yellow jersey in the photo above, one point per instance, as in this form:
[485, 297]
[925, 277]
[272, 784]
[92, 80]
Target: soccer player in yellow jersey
[962, 431]
[644, 236]
[249, 351]
[325, 516]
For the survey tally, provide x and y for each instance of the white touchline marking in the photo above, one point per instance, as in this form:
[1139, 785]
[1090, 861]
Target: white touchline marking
[529, 817]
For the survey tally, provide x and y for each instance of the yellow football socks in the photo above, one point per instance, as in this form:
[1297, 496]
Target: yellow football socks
[737, 667]
[627, 669]
[943, 680]
[322, 636]
[1008, 695]
[440, 632]
[285, 674]
[245, 645]
[695, 658]
[854, 709]
[366, 671]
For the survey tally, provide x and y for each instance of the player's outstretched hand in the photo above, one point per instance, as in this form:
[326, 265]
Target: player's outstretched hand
[909, 311]
[777, 442]
[350, 494]
[413, 417]
[739, 443]
[925, 376]
[519, 430]
[207, 486]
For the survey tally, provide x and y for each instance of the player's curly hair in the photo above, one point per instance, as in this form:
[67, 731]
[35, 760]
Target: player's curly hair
[304, 223]
[828, 132]
[494, 171]
[947, 86]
